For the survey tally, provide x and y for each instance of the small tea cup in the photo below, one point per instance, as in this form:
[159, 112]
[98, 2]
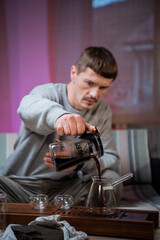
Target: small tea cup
[39, 201]
[63, 201]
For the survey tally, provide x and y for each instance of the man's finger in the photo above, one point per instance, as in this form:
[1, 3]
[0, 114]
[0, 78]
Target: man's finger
[49, 165]
[91, 128]
[60, 129]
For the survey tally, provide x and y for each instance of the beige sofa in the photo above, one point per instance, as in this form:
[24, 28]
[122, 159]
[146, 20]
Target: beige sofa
[135, 156]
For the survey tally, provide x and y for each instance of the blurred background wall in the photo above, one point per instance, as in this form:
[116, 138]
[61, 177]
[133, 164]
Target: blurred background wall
[41, 39]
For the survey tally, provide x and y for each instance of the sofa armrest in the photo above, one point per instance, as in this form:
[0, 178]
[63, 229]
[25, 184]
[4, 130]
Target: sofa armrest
[155, 167]
[133, 149]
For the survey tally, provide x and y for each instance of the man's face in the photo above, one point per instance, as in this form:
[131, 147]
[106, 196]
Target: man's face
[87, 88]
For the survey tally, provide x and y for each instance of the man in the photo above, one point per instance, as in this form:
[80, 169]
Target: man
[60, 111]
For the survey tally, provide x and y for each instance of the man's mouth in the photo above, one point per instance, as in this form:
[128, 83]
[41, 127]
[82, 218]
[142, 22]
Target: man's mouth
[90, 101]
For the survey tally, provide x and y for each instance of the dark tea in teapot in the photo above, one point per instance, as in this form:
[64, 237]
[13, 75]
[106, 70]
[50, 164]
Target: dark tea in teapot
[66, 154]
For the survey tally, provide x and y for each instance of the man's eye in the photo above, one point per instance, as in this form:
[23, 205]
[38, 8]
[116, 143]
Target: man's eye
[90, 83]
[103, 88]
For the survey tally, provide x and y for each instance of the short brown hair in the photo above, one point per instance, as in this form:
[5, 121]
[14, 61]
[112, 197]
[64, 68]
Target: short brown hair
[100, 60]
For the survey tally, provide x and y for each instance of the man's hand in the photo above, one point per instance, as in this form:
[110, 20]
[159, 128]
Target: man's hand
[72, 124]
[48, 162]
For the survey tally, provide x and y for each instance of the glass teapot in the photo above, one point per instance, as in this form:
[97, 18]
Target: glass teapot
[66, 154]
[101, 198]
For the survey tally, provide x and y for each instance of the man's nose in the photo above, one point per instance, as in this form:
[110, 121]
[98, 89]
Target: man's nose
[94, 92]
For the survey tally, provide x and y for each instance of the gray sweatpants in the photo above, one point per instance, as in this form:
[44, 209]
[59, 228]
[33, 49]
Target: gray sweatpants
[20, 189]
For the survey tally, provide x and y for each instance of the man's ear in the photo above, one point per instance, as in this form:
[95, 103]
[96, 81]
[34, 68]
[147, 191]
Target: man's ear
[73, 72]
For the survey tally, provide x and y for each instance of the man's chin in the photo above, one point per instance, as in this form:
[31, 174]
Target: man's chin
[88, 106]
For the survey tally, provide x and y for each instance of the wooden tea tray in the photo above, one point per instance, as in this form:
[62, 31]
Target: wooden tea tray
[139, 224]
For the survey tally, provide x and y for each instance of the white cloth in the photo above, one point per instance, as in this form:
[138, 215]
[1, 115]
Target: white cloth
[52, 221]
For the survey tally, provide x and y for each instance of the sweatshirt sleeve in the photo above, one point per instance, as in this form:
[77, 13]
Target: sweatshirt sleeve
[40, 109]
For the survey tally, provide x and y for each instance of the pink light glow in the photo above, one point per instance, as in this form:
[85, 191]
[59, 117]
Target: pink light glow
[26, 24]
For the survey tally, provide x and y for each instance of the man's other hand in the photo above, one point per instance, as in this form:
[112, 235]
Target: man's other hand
[48, 162]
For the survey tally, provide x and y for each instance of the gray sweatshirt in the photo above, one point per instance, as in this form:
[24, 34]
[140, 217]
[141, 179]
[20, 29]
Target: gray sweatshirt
[39, 111]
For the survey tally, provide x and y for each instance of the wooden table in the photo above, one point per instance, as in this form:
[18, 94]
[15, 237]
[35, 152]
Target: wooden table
[135, 224]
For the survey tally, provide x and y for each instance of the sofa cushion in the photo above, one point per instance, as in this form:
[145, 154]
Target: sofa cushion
[138, 195]
[133, 149]
[7, 141]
